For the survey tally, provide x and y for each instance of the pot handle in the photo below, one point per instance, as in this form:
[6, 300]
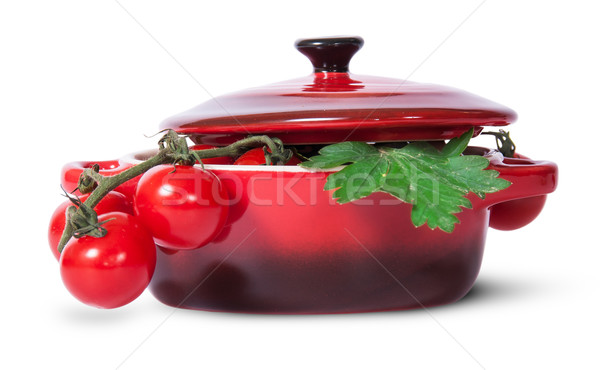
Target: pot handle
[524, 199]
[528, 177]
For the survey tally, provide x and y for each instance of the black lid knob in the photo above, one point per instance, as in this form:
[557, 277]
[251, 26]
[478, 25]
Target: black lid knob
[330, 54]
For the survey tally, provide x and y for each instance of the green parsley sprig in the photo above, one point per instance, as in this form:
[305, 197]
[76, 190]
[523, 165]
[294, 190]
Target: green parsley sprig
[434, 181]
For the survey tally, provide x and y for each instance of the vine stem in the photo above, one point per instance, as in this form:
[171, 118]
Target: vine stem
[166, 155]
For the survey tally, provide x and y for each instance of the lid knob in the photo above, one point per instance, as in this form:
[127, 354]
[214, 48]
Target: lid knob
[331, 54]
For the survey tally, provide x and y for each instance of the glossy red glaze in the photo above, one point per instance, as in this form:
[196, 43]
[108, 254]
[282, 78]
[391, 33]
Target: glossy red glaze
[333, 105]
[529, 178]
[514, 214]
[517, 213]
[324, 260]
[292, 249]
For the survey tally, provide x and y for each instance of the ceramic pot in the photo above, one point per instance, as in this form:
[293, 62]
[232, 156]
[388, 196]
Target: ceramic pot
[288, 247]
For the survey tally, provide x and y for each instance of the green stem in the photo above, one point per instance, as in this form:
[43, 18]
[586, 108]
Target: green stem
[67, 232]
[110, 183]
[504, 143]
[105, 184]
[239, 147]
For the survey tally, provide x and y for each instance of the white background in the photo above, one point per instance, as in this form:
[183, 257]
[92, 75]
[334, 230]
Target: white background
[82, 80]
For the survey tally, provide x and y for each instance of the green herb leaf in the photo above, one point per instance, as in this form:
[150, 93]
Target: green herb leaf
[337, 154]
[434, 182]
[457, 145]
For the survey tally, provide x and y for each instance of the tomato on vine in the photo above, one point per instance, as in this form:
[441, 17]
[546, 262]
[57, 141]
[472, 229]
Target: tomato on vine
[112, 202]
[184, 207]
[256, 156]
[516, 213]
[215, 160]
[72, 171]
[113, 270]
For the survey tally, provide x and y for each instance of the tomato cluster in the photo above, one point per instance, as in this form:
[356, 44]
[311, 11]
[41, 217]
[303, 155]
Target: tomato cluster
[172, 207]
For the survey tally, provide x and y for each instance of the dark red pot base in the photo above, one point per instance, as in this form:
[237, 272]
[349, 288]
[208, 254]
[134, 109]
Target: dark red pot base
[356, 284]
[292, 267]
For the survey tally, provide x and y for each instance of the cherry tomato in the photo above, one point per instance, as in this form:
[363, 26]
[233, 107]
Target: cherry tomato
[517, 213]
[256, 156]
[217, 160]
[71, 171]
[112, 202]
[184, 209]
[111, 271]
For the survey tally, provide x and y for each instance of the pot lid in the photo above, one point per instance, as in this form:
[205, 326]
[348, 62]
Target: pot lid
[333, 105]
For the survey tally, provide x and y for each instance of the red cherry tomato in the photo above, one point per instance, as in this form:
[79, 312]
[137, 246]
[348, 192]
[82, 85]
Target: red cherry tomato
[217, 160]
[184, 209]
[112, 202]
[256, 156]
[71, 172]
[517, 213]
[111, 271]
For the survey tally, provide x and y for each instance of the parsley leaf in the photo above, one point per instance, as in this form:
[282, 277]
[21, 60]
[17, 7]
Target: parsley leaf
[434, 182]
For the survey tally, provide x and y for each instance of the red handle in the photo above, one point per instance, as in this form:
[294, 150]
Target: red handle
[521, 202]
[529, 178]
